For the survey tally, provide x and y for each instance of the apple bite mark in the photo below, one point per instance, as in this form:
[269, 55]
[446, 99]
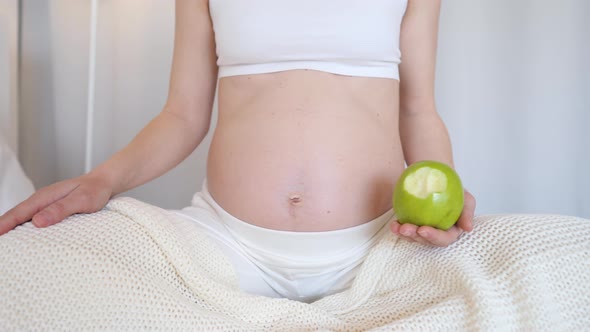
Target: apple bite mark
[428, 193]
[425, 181]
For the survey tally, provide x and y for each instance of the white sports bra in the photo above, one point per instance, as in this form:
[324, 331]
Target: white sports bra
[346, 37]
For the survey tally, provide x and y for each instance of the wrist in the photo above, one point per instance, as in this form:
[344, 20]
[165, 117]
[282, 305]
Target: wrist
[111, 178]
[425, 137]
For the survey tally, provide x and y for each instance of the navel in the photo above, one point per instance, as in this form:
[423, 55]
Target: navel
[295, 199]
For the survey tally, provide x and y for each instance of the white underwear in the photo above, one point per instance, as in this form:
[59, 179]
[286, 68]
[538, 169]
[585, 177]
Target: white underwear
[302, 266]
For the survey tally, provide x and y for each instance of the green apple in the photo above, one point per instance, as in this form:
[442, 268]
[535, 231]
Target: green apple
[428, 193]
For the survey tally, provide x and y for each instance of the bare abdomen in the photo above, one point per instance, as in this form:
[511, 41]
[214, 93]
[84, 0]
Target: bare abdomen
[304, 160]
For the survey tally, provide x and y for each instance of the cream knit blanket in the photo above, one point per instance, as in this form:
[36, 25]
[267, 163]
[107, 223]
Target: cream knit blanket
[132, 266]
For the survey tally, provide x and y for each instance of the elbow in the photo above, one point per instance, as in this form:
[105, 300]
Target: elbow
[203, 129]
[196, 120]
[198, 128]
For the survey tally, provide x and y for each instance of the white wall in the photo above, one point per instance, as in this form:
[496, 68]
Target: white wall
[513, 87]
[54, 51]
[133, 67]
[8, 72]
[135, 39]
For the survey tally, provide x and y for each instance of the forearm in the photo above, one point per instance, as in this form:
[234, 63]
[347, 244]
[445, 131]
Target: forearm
[425, 137]
[166, 141]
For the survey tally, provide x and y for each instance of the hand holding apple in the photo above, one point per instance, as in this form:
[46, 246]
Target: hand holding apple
[431, 205]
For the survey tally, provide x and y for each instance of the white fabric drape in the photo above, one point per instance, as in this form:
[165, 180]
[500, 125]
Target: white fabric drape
[513, 86]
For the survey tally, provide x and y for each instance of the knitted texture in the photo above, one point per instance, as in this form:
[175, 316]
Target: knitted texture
[133, 266]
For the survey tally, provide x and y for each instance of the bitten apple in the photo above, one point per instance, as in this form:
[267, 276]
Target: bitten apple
[428, 193]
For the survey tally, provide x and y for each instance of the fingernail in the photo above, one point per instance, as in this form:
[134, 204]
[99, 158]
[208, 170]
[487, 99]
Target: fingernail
[423, 233]
[406, 232]
[39, 220]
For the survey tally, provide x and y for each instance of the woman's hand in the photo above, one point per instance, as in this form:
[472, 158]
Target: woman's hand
[436, 237]
[52, 204]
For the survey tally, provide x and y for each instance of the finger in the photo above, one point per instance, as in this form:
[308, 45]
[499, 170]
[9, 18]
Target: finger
[437, 237]
[409, 231]
[75, 202]
[25, 211]
[465, 221]
[395, 226]
[419, 239]
[9, 221]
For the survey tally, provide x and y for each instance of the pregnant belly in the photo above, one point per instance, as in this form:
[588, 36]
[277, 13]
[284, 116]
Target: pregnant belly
[305, 169]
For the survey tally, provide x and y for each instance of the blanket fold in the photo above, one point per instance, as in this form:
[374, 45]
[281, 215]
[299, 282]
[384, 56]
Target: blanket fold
[133, 266]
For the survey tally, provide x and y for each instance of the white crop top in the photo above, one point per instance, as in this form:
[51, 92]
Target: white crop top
[346, 37]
